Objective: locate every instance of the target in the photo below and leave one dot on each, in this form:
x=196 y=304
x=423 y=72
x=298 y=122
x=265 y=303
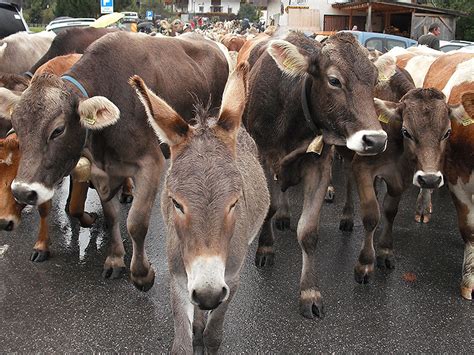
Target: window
x=229 y=10
x=201 y=8
x=374 y=43
x=391 y=43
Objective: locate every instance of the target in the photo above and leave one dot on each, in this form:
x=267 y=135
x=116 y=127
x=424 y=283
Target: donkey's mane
x=203 y=118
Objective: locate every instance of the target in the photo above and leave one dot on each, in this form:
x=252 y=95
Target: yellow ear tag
x=466 y=121
x=383 y=118
x=10 y=111
x=316 y=146
x=288 y=64
x=90 y=120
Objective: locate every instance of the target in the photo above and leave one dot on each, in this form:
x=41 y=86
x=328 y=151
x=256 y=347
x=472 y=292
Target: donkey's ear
x=8 y=100
x=387 y=110
x=233 y=100
x=98 y=112
x=288 y=57
x=168 y=125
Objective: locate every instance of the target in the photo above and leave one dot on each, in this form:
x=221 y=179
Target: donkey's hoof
x=346 y=225
x=363 y=273
x=126 y=198
x=39 y=256
x=467 y=292
x=264 y=258
x=282 y=223
x=113 y=273
x=330 y=194
x=144 y=283
x=311 y=304
x=386 y=261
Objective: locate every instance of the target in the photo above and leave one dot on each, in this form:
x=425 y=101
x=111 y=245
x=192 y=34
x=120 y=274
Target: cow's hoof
x=467 y=293
x=126 y=198
x=346 y=225
x=311 y=304
x=144 y=283
x=39 y=256
x=87 y=219
x=423 y=218
x=363 y=273
x=282 y=223
x=264 y=258
x=113 y=273
x=330 y=194
x=386 y=260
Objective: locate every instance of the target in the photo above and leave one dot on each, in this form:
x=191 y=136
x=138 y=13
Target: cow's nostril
x=10 y=226
x=194 y=297
x=368 y=140
x=31 y=196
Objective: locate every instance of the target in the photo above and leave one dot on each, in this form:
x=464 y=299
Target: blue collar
x=76 y=84
x=28 y=74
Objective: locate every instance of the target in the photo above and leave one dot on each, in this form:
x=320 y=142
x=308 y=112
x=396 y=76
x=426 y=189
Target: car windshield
x=10 y=21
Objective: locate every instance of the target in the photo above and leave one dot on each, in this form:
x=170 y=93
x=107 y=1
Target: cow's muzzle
x=7 y=224
x=428 y=180
x=368 y=142
x=31 y=194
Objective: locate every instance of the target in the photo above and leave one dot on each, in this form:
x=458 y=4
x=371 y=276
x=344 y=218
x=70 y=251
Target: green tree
x=77 y=8
x=464 y=25
x=249 y=11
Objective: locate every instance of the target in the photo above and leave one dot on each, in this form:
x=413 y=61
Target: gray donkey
x=214 y=202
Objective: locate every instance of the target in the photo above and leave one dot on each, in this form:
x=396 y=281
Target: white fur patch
x=2 y=49
x=464 y=73
x=423 y=173
x=465 y=194
x=207 y=272
x=287 y=57
x=418 y=67
x=8 y=160
x=356 y=143
x=44 y=193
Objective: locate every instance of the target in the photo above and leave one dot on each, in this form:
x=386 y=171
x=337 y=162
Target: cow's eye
x=178 y=206
x=333 y=81
x=406 y=134
x=57 y=132
x=446 y=135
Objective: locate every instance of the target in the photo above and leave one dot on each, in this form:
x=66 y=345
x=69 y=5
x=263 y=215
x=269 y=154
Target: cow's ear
x=97 y=112
x=8 y=100
x=233 y=101
x=168 y=125
x=288 y=57
x=464 y=112
x=387 y=110
x=386 y=66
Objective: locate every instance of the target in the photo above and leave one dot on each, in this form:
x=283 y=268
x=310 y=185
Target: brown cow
x=233 y=42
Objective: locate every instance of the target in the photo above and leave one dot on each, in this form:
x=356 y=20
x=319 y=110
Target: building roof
x=390 y=6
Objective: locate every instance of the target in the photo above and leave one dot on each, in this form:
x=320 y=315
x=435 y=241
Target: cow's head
x=339 y=81
x=51 y=122
x=10 y=210
x=425 y=125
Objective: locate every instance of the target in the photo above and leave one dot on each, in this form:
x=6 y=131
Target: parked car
x=381 y=41
x=62 y=23
x=447 y=46
x=130 y=16
x=11 y=18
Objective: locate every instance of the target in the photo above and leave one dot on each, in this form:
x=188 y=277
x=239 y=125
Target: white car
x=64 y=23
x=447 y=46
x=130 y=16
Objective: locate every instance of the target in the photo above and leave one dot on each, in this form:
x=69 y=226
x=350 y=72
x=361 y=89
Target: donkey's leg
x=215 y=322
x=41 y=248
x=385 y=256
x=424 y=207
x=282 y=215
x=347 y=220
x=147 y=181
x=183 y=312
x=265 y=255
x=370 y=218
x=127 y=191
x=316 y=175
x=114 y=265
x=465 y=210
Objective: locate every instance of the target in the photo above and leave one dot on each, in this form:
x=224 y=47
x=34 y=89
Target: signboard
x=106 y=6
x=149 y=15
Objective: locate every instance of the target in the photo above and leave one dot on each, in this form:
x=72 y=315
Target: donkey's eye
x=446 y=135
x=406 y=134
x=177 y=205
x=57 y=132
x=233 y=205
x=333 y=81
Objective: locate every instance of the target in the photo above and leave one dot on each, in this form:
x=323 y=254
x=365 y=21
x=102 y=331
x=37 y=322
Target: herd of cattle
x=238 y=134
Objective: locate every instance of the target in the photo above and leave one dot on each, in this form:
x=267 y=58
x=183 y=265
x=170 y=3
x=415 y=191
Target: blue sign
x=149 y=15
x=106 y=6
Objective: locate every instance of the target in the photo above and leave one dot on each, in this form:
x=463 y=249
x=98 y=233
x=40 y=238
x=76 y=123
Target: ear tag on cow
x=316 y=146
x=289 y=64
x=10 y=111
x=383 y=118
x=466 y=121
x=90 y=120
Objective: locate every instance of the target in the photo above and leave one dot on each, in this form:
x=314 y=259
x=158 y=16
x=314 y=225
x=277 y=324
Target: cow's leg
x=330 y=192
x=127 y=191
x=347 y=221
x=465 y=210
x=370 y=218
x=215 y=322
x=424 y=207
x=147 y=181
x=41 y=248
x=316 y=175
x=282 y=215
x=199 y=324
x=183 y=312
x=385 y=257
x=114 y=265
x=78 y=196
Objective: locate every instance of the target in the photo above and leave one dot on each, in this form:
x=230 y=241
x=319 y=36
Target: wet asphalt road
x=63 y=305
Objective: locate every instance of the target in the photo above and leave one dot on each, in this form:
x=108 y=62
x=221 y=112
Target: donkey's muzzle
x=207 y=299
